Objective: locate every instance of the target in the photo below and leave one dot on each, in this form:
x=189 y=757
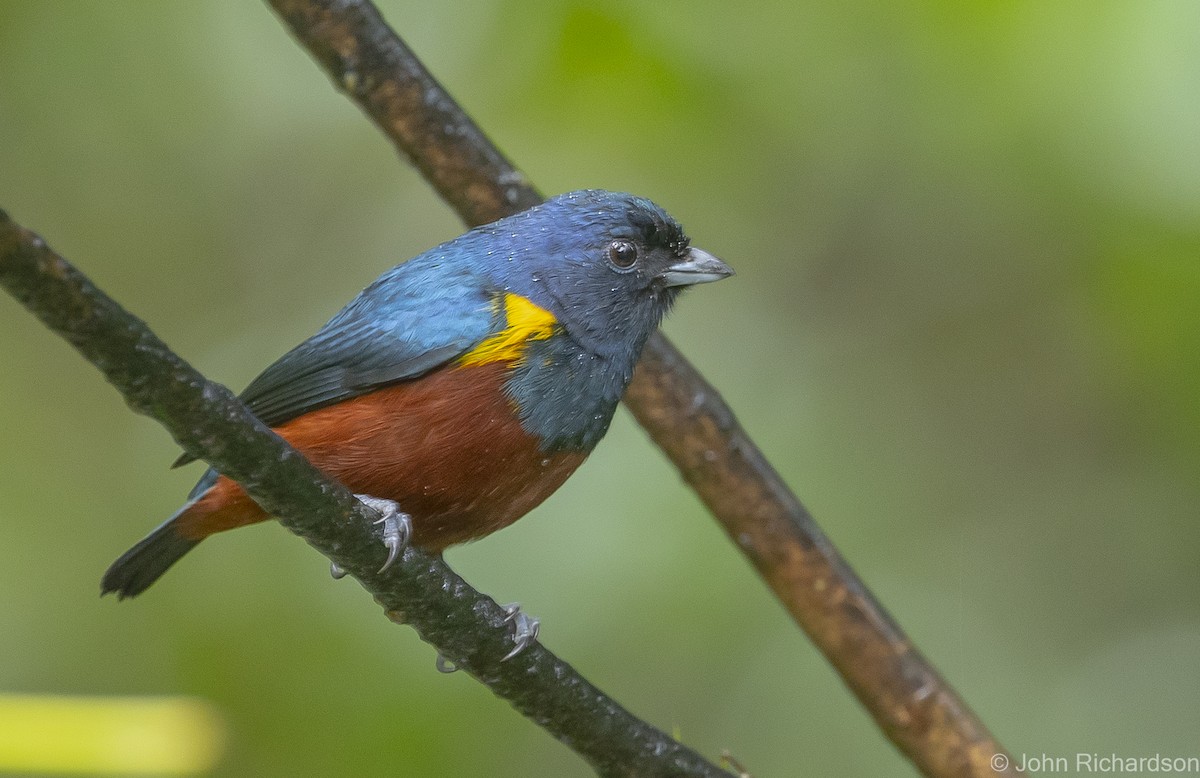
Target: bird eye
x=622 y=254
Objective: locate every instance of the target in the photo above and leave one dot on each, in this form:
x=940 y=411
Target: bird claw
x=396 y=526
x=525 y=629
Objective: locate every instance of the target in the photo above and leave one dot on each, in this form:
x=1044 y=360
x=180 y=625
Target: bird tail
x=153 y=555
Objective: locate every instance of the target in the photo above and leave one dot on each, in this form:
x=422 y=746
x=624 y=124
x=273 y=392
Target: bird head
x=607 y=265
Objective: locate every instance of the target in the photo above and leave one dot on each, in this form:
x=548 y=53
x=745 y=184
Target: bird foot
x=525 y=629
x=395 y=526
x=395 y=530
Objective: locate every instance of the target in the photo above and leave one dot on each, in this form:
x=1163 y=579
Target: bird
x=463 y=386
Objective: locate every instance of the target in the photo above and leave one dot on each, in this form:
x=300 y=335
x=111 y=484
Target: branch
x=683 y=414
x=210 y=423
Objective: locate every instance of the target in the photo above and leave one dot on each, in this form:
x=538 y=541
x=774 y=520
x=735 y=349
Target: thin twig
x=684 y=415
x=210 y=423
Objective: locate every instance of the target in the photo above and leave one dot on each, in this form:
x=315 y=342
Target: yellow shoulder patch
x=524 y=321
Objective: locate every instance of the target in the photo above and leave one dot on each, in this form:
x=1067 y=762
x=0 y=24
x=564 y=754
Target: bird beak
x=696 y=267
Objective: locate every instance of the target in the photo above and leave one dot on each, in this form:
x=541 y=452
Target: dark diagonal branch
x=210 y=423
x=684 y=415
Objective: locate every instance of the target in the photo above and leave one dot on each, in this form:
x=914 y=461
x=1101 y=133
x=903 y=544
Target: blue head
x=608 y=266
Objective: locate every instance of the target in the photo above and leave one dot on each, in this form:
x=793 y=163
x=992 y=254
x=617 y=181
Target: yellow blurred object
x=98 y=735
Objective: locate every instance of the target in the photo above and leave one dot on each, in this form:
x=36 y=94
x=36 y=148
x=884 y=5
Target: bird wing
x=401 y=327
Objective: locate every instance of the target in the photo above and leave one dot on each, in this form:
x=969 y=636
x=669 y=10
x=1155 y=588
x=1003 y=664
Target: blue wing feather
x=414 y=318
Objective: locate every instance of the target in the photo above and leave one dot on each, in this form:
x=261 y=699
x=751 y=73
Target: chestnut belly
x=448 y=448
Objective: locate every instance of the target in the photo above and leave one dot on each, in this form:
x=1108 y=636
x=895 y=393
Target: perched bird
x=466 y=384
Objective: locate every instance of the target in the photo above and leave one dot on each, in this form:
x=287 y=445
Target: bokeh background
x=965 y=327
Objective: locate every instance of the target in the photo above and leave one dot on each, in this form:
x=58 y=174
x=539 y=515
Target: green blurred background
x=965 y=327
